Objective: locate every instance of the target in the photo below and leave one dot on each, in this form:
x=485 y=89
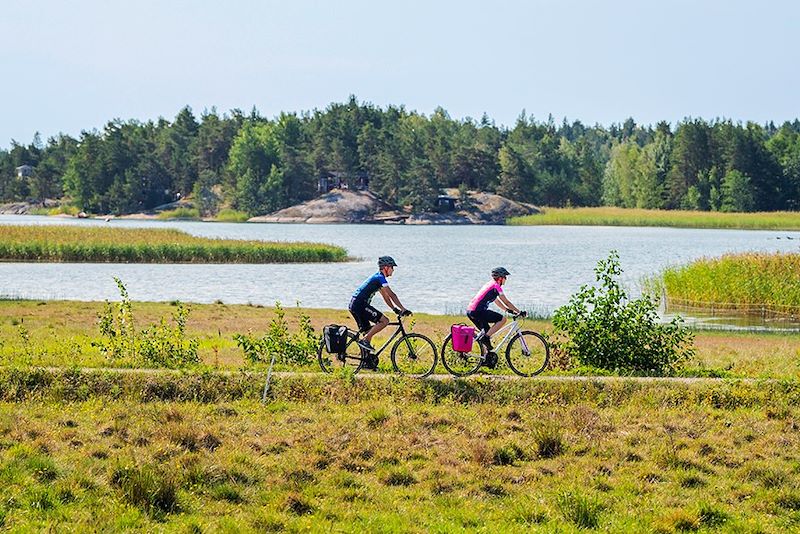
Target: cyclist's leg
x=494 y=317
x=374 y=316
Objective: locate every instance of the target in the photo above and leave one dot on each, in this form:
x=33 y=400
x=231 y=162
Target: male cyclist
x=365 y=314
x=479 y=313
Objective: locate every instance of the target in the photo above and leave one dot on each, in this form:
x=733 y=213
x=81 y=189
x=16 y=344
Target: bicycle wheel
x=414 y=355
x=460 y=363
x=527 y=353
x=351 y=357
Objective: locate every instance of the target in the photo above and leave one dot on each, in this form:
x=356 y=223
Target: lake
x=439 y=267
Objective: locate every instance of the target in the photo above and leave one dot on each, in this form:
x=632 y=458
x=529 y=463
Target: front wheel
x=527 y=353
x=351 y=358
x=460 y=363
x=414 y=355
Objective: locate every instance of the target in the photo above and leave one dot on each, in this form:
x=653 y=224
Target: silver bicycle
x=527 y=352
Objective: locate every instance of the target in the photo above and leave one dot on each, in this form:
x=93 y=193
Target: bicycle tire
x=528 y=353
x=352 y=357
x=460 y=363
x=425 y=356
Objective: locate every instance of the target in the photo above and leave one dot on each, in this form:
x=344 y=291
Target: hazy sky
x=73 y=65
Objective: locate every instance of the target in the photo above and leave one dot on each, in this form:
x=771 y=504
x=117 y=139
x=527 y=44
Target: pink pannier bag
x=462 y=337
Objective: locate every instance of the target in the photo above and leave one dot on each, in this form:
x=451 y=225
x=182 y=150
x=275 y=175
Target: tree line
x=259 y=165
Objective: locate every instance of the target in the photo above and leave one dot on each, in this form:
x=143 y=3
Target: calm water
x=440 y=267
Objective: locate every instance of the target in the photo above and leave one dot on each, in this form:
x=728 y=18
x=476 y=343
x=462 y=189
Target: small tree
x=602 y=328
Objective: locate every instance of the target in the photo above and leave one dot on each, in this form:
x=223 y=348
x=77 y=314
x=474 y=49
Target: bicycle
x=527 y=352
x=412 y=354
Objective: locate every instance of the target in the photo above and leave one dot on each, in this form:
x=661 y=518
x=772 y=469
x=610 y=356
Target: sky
x=74 y=65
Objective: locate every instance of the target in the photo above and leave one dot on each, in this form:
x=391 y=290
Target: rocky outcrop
x=345 y=206
x=25 y=208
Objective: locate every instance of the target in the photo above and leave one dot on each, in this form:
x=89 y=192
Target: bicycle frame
x=400 y=330
x=513 y=327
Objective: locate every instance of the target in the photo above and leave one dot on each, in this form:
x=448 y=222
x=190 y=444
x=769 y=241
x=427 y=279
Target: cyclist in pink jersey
x=479 y=313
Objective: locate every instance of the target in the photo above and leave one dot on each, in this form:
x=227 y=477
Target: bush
x=159 y=345
x=601 y=327
x=298 y=348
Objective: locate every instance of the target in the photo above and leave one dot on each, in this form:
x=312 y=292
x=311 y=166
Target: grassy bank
x=608 y=216
x=128 y=245
x=749 y=282
x=329 y=454
x=62 y=334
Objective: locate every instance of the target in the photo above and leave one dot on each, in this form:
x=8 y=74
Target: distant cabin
x=342 y=180
x=445 y=203
x=24 y=171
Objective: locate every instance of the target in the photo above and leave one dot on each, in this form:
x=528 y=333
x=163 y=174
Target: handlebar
x=402 y=313
x=521 y=314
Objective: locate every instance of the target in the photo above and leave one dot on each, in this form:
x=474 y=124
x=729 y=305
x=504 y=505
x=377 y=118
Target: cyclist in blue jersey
x=489 y=321
x=363 y=312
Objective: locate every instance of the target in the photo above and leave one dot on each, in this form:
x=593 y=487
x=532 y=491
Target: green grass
x=749 y=282
x=180 y=213
x=128 y=245
x=609 y=216
x=231 y=215
x=313 y=459
x=65 y=333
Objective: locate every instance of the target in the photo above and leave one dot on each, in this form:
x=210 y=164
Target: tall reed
x=62 y=243
x=610 y=216
x=750 y=282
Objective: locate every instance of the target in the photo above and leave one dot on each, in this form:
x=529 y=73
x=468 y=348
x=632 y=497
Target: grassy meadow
x=610 y=216
x=128 y=245
x=334 y=455
x=195 y=450
x=58 y=333
x=749 y=282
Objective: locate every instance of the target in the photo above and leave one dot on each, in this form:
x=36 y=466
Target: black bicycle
x=412 y=354
x=527 y=352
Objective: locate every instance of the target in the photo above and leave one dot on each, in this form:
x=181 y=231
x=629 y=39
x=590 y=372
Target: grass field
x=749 y=282
x=127 y=245
x=609 y=216
x=331 y=455
x=56 y=333
x=195 y=451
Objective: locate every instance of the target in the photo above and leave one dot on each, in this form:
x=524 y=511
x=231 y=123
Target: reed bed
x=127 y=245
x=609 y=216
x=757 y=283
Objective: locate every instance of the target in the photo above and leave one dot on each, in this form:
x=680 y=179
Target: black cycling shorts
x=364 y=314
x=483 y=318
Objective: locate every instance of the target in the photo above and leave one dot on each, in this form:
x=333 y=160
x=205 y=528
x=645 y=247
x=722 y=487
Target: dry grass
x=418 y=467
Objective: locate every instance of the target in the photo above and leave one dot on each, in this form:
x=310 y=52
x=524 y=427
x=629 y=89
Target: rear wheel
x=527 y=353
x=460 y=363
x=414 y=355
x=351 y=358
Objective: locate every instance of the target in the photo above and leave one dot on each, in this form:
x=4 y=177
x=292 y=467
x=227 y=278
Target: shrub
x=298 y=348
x=159 y=345
x=601 y=327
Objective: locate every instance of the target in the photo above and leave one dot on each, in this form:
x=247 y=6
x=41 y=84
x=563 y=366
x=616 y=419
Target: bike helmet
x=386 y=261
x=498 y=272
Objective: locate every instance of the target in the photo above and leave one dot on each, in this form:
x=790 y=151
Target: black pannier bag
x=335 y=338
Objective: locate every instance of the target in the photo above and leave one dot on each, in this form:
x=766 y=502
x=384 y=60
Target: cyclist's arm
x=391 y=299
x=504 y=303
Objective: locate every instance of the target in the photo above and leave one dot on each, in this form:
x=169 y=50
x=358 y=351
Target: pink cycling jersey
x=485 y=296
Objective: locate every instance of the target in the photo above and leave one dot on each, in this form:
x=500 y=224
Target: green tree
x=737 y=192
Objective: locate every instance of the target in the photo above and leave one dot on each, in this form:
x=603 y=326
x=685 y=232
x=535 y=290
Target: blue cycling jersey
x=369 y=287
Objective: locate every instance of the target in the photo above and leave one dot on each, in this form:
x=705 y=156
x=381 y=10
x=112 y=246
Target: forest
x=258 y=165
